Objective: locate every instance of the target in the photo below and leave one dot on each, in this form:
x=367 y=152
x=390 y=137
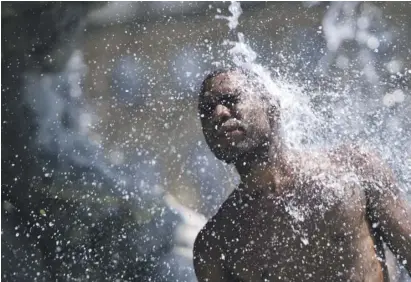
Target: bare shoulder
x=214 y=230
x=368 y=164
x=210 y=243
x=348 y=157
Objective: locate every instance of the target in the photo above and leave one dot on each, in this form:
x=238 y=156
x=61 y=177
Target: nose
x=222 y=113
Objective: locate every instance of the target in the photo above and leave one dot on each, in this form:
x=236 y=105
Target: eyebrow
x=211 y=94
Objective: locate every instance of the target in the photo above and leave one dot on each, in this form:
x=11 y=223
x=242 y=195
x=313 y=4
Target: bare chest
x=296 y=234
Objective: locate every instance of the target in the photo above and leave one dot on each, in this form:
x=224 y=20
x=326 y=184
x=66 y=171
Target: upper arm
x=205 y=260
x=207 y=256
x=389 y=210
x=209 y=246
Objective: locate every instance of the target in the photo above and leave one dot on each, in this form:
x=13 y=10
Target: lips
x=231 y=128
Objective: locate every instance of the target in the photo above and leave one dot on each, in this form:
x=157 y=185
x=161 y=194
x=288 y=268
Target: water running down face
x=236 y=116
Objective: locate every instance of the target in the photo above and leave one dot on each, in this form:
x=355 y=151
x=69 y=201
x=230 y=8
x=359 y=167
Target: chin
x=231 y=154
x=227 y=158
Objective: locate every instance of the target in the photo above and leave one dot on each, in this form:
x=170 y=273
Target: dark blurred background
x=105 y=173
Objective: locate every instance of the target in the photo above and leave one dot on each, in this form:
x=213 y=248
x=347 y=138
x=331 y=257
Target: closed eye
x=228 y=100
x=207 y=107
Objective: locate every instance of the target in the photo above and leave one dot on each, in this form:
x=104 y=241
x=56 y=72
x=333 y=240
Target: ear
x=274 y=110
x=274 y=115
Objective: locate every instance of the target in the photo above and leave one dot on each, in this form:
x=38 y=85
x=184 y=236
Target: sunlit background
x=106 y=174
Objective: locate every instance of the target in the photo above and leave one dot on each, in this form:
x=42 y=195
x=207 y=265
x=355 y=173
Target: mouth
x=231 y=129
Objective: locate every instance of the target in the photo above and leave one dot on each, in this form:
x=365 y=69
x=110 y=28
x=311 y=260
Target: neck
x=262 y=166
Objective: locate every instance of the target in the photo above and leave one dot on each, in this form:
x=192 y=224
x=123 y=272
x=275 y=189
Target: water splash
x=370 y=106
x=361 y=105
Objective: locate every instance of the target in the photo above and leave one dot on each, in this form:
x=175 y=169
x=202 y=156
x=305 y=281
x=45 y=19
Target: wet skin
x=311 y=216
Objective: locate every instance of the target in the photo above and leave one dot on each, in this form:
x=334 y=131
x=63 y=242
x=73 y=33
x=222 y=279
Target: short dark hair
x=221 y=71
